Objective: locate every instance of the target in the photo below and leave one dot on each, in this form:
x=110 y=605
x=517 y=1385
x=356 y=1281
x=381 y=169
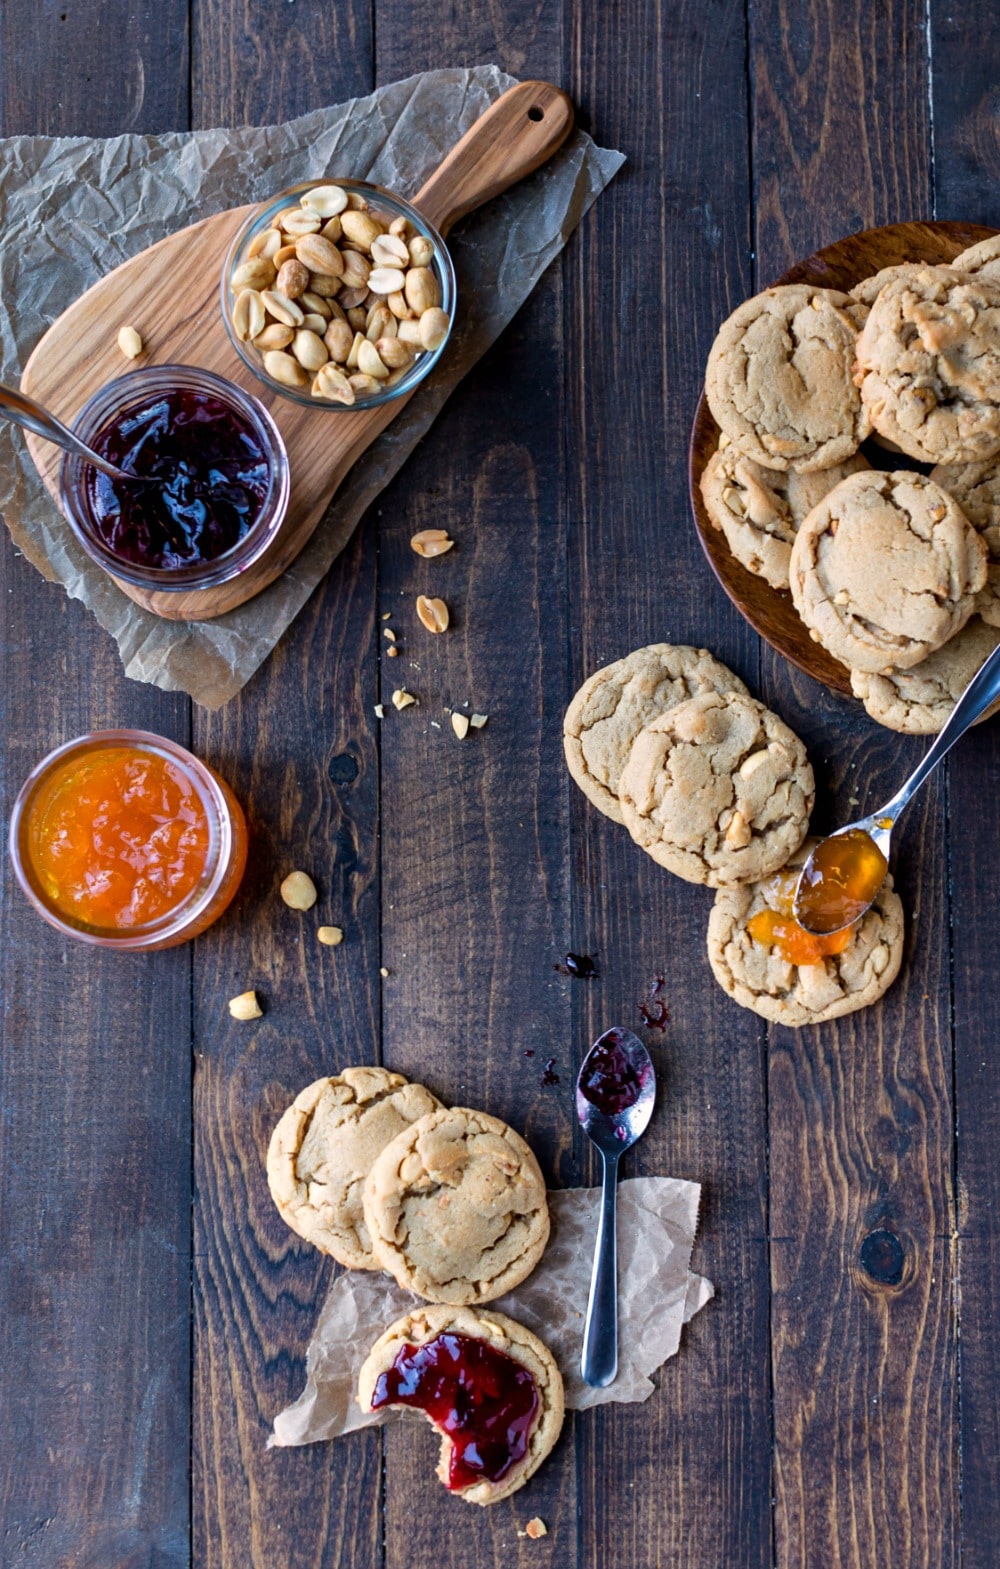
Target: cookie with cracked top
x=614 y=703
x=757 y=976
x=928 y=365
x=983 y=258
x=759 y=510
x=779 y=378
x=456 y=1208
x=718 y=790
x=885 y=570
x=920 y=701
x=499 y=1333
x=324 y=1147
x=976 y=488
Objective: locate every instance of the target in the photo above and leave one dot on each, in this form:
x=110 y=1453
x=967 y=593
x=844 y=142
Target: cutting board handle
x=516 y=134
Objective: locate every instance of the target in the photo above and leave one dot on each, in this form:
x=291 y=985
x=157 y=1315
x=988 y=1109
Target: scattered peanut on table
x=245 y=1006
x=130 y=342
x=299 y=891
x=338 y=298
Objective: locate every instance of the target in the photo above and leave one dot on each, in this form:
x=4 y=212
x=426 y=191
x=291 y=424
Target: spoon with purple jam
x=615 y=1091
x=32 y=416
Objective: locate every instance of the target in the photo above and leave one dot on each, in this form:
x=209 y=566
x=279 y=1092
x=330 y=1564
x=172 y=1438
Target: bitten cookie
x=614 y=703
x=718 y=790
x=976 y=488
x=919 y=701
x=885 y=570
x=779 y=378
x=456 y=1208
x=928 y=365
x=324 y=1147
x=518 y=1437
x=758 y=977
x=759 y=510
x=983 y=259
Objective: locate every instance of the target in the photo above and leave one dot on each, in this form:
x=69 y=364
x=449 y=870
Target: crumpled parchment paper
x=73 y=208
x=657 y=1295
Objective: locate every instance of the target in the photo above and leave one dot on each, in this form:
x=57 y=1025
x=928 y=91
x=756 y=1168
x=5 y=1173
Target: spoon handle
x=29 y=414
x=981 y=692
x=599 y=1362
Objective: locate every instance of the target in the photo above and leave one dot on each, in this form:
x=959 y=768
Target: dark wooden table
x=155 y=1309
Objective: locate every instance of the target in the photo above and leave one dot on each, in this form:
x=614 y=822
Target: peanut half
x=299 y=891
x=334 y=260
x=245 y=1006
x=433 y=613
x=431 y=542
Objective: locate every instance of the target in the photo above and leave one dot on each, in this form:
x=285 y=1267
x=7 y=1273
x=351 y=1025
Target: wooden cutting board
x=170 y=292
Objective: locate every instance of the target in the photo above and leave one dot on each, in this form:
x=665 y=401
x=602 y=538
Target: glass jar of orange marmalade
x=125 y=840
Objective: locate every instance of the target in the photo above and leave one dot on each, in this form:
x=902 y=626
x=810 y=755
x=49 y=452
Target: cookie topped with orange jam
x=767 y=962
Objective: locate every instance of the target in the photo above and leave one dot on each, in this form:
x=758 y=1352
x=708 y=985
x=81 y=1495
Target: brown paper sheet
x=75 y=207
x=657 y=1295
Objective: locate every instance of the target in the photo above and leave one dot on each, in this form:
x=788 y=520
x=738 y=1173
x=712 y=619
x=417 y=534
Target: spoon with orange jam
x=842 y=877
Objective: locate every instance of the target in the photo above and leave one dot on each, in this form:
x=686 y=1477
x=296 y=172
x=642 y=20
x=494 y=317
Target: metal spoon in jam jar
x=615 y=1090
x=32 y=416
x=842 y=877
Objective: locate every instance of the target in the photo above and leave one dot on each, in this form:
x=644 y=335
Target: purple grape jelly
x=213 y=477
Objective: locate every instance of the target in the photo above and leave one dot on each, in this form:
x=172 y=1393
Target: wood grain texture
x=684 y=1480
x=859 y=1112
x=95 y=1092
x=300 y=748
x=840 y=265
x=476 y=904
x=966 y=163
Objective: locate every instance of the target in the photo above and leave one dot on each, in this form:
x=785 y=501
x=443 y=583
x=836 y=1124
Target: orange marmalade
x=847 y=872
x=128 y=840
x=775 y=927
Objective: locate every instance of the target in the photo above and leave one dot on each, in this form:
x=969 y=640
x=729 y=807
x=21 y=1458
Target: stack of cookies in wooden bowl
x=718 y=790
x=896 y=574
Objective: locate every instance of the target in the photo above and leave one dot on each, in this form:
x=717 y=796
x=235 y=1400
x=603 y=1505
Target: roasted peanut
x=245 y=1006
x=299 y=891
x=332 y=384
x=309 y=349
x=293 y=279
x=433 y=613
x=130 y=342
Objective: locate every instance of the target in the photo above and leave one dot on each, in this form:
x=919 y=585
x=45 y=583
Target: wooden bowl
x=839 y=266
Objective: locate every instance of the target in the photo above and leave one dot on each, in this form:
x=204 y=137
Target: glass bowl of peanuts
x=338 y=294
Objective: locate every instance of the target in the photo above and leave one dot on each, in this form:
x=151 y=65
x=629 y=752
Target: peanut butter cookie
x=456 y=1208
x=919 y=701
x=759 y=510
x=324 y=1147
x=520 y=1407
x=868 y=290
x=779 y=378
x=983 y=258
x=885 y=570
x=614 y=703
x=717 y=790
x=928 y=365
x=976 y=488
x=757 y=976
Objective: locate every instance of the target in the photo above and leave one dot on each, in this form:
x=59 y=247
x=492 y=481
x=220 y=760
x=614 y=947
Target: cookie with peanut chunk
x=760 y=510
x=718 y=790
x=324 y=1147
x=928 y=365
x=456 y=1208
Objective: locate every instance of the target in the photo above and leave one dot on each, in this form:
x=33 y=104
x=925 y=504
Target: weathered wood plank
x=474 y=864
x=685 y=1479
x=299 y=747
x=94 y=1077
x=865 y=1376
x=966 y=59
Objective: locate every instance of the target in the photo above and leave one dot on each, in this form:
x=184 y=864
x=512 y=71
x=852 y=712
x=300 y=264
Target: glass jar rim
x=421 y=367
x=217 y=858
x=117 y=397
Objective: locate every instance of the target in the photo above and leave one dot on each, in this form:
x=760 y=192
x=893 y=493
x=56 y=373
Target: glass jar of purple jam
x=217 y=473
